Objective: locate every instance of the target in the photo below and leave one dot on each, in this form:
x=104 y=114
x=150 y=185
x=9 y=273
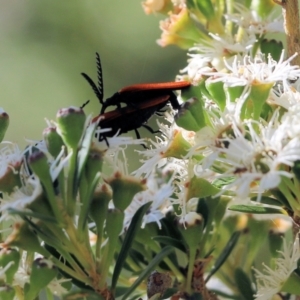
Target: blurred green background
x=45 y=45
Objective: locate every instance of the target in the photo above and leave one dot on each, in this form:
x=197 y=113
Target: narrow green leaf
x=253 y=209
x=171 y=242
x=280 y=197
x=243 y=284
x=24 y=213
x=268 y=200
x=130 y=234
x=156 y=260
x=224 y=254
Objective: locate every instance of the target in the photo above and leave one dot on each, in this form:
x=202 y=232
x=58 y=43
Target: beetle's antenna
x=94 y=87
x=99 y=75
x=98 y=90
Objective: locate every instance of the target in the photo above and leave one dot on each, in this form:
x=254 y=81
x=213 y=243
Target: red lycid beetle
x=141 y=102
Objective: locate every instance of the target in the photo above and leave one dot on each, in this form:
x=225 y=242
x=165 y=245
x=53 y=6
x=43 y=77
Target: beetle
x=140 y=102
x=117 y=120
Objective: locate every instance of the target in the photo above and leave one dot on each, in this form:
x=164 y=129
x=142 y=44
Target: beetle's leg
x=161 y=112
x=138 y=137
x=150 y=129
x=137 y=134
x=102 y=137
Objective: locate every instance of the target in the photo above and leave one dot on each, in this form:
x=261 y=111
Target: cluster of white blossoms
x=246 y=146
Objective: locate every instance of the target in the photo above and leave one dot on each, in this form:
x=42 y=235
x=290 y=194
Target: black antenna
x=99 y=75
x=97 y=90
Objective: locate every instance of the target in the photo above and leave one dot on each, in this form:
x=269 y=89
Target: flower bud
x=114 y=223
x=191 y=226
x=8 y=255
x=38 y=163
x=200 y=188
x=71 y=123
x=124 y=189
x=93 y=164
x=99 y=207
x=179 y=147
x=4 y=121
x=263 y=7
x=42 y=273
x=53 y=141
x=157 y=6
x=22 y=237
x=233 y=92
x=216 y=90
x=191 y=116
x=179 y=29
x=253 y=106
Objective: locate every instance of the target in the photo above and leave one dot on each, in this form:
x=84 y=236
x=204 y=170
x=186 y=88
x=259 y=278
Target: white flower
x=10 y=157
x=253 y=23
x=21 y=198
x=156 y=154
x=271 y=281
x=257 y=70
x=197 y=67
x=288 y=99
x=211 y=53
x=56 y=286
x=255 y=158
x=160 y=197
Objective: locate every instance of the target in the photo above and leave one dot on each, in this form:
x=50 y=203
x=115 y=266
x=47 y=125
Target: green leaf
x=281 y=198
x=171 y=242
x=156 y=260
x=221 y=182
x=224 y=254
x=253 y=209
x=24 y=213
x=244 y=284
x=131 y=232
x=267 y=200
